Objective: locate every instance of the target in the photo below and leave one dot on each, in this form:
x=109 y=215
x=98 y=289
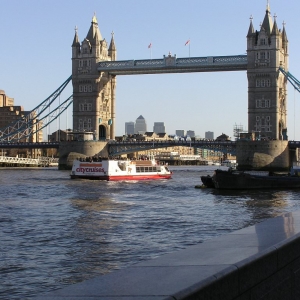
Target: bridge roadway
x=172 y=64
x=118 y=148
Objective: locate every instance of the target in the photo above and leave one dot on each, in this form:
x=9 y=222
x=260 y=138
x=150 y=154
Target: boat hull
x=241 y=180
x=207 y=181
x=123 y=177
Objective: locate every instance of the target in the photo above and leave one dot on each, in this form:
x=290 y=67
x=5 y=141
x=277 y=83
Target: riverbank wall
x=257 y=262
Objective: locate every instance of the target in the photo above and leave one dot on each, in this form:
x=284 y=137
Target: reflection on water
x=56 y=231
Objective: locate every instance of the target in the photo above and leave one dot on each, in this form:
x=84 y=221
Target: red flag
x=187 y=42
x=150 y=45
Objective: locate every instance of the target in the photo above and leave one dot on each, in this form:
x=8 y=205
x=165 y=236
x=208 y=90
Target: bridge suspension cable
x=292 y=79
x=33 y=126
x=31 y=122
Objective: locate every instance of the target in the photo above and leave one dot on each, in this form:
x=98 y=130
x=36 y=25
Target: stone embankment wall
x=263 y=155
x=257 y=262
x=68 y=151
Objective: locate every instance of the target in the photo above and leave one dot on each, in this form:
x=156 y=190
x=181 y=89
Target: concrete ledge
x=258 y=262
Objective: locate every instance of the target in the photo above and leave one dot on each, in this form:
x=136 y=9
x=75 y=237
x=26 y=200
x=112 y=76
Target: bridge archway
x=102 y=132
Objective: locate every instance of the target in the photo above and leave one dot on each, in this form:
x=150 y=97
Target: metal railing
x=41 y=161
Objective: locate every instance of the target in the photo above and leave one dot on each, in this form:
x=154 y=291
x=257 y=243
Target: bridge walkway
x=42 y=161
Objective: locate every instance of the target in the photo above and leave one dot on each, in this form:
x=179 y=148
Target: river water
x=55 y=231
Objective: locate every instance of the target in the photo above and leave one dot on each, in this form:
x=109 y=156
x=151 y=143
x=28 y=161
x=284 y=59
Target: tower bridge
x=95 y=69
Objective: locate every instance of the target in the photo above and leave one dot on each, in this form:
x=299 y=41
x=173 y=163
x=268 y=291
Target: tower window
x=85 y=106
x=262 y=41
x=263 y=103
x=263 y=82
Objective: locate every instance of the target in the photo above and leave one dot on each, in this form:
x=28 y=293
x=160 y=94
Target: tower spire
x=112 y=50
x=94 y=29
x=251 y=28
x=268 y=6
x=76 y=39
x=267 y=24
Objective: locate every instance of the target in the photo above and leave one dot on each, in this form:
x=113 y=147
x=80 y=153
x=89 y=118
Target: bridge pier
x=264 y=155
x=70 y=150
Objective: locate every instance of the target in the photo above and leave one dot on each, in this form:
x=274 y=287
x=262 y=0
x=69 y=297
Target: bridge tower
x=267 y=50
x=93 y=92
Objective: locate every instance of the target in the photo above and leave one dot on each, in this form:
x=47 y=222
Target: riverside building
x=9 y=114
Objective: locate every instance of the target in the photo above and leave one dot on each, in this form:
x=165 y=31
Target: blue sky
x=35 y=53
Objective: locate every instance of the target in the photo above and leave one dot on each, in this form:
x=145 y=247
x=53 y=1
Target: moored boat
x=233 y=179
x=114 y=170
x=207 y=181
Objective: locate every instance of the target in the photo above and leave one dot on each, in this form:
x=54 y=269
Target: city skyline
x=158 y=127
x=38 y=60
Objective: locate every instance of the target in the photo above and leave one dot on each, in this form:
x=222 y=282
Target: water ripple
x=56 y=231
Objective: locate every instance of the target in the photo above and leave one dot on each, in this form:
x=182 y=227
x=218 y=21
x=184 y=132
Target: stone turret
x=267 y=99
x=112 y=51
x=93 y=92
x=267 y=86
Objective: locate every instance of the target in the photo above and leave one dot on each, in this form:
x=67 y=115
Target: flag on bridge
x=187 y=42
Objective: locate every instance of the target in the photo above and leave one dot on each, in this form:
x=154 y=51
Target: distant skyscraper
x=180 y=132
x=140 y=125
x=159 y=127
x=129 y=128
x=190 y=133
x=209 y=135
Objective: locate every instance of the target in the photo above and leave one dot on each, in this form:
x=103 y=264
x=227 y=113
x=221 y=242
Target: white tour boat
x=120 y=170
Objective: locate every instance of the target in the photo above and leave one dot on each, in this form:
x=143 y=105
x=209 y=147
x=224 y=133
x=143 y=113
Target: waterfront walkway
x=258 y=262
x=35 y=162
